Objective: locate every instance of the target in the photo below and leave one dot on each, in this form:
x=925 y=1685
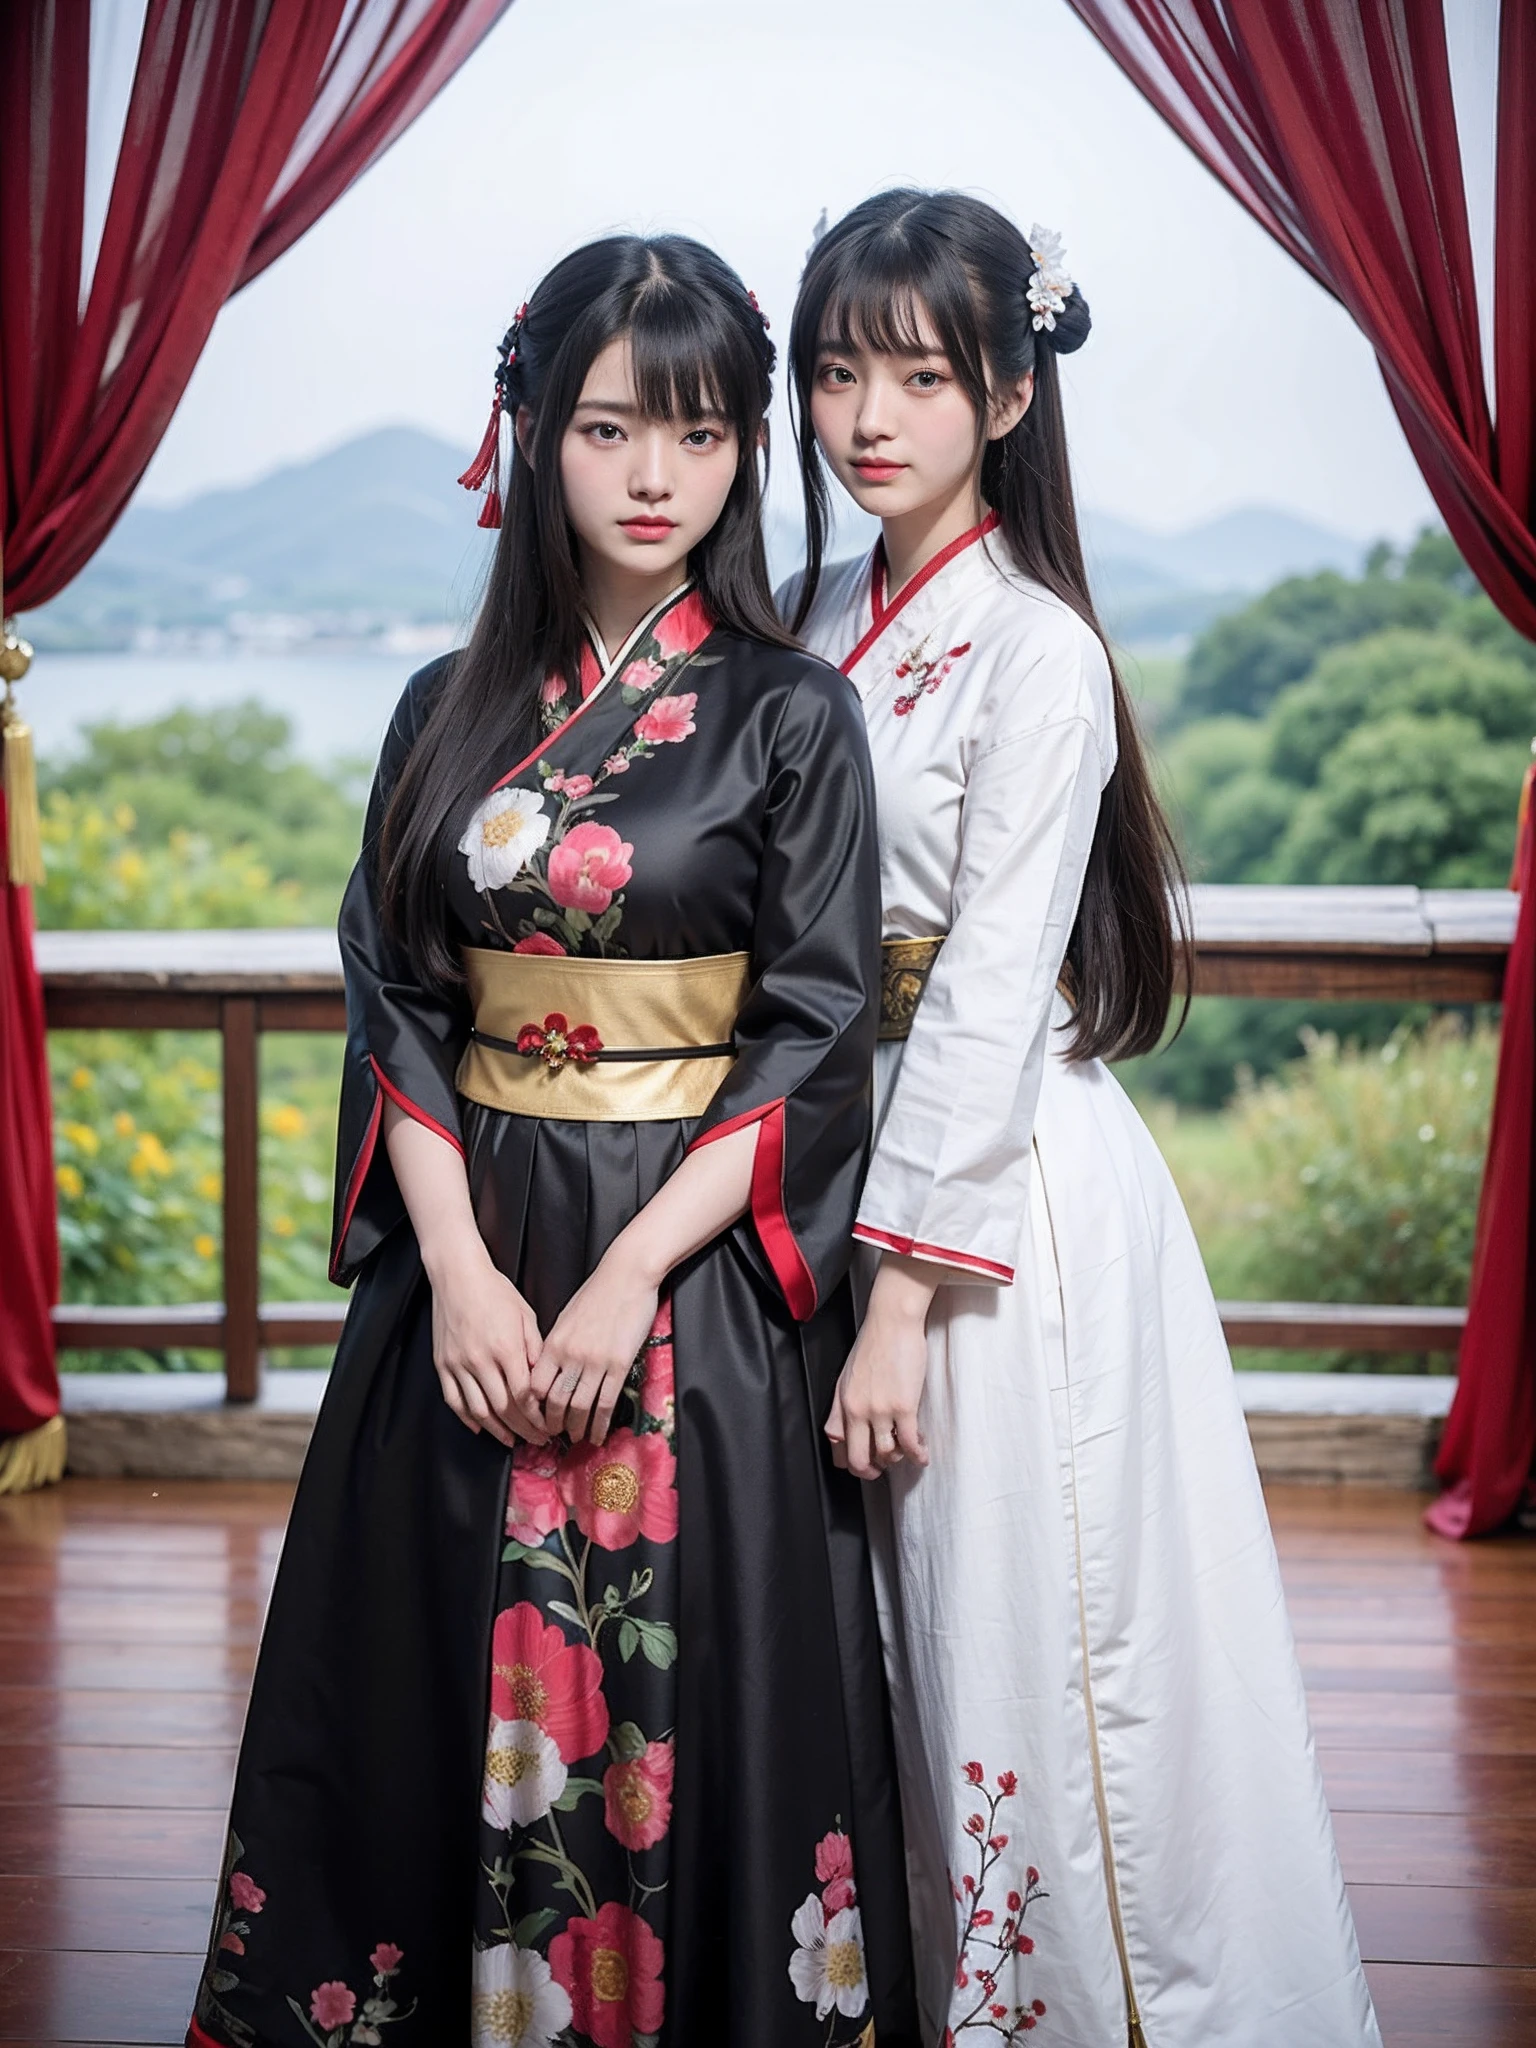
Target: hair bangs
x=690 y=363
x=897 y=292
x=865 y=310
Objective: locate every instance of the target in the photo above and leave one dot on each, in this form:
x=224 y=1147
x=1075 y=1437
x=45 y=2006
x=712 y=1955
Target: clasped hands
x=500 y=1375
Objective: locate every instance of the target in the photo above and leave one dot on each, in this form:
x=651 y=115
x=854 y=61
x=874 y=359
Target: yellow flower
x=149 y=1156
x=68 y=1181
x=125 y=817
x=288 y=1122
x=210 y=1186
x=284 y=1226
x=123 y=1124
x=204 y=1245
x=129 y=867
x=82 y=1077
x=82 y=1137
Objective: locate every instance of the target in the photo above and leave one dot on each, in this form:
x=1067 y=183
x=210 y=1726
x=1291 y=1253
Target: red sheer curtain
x=246 y=119
x=1334 y=122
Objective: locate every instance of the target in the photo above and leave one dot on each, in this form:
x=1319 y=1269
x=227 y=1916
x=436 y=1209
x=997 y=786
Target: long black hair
x=870 y=280
x=698 y=345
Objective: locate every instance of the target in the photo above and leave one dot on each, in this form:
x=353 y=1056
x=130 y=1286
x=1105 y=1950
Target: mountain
x=377 y=528
x=377 y=534
x=1155 y=588
x=1244 y=550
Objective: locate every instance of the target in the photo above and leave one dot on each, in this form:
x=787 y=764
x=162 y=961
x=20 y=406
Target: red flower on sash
x=536 y=1675
x=587 y=867
x=622 y=1489
x=539 y=942
x=610 y=1969
x=637 y=1796
x=555 y=1041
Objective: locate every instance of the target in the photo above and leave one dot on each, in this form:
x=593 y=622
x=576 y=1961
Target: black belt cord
x=665 y=1052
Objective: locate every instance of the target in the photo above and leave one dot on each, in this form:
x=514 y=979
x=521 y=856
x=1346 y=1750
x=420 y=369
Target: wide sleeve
x=805 y=1037
x=404 y=1040
x=950 y=1172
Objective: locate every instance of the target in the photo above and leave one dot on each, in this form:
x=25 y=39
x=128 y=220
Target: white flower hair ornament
x=1050 y=282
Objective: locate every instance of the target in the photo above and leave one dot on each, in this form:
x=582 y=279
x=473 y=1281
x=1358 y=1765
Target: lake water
x=338 y=704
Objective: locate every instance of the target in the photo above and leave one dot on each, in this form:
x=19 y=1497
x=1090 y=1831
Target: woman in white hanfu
x=1116 y=1827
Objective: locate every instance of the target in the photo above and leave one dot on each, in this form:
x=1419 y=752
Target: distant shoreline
x=338 y=703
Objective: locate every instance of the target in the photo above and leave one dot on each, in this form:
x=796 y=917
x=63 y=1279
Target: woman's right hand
x=483 y=1337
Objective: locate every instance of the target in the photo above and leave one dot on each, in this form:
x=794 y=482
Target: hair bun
x=1073 y=325
x=1057 y=308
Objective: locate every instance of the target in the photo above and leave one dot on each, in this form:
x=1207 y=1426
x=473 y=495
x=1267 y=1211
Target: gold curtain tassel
x=24 y=822
x=35 y=1458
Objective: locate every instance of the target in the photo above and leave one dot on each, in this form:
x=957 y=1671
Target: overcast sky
x=1217 y=375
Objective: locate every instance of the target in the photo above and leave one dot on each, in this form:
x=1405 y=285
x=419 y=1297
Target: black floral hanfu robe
x=590 y=1745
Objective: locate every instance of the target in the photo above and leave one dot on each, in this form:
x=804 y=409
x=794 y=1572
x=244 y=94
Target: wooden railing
x=1390 y=945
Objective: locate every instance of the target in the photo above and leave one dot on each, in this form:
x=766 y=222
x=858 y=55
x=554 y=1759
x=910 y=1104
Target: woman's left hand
x=588 y=1355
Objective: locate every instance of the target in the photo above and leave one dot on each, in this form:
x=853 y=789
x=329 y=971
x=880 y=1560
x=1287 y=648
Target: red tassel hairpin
x=487 y=462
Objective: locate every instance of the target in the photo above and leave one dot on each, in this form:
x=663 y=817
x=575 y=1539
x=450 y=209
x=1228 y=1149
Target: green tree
x=1393 y=754
x=229 y=778
x=102 y=877
x=1359 y=1171
x=1423 y=674
x=1408 y=799
x=1231 y=810
x=1242 y=662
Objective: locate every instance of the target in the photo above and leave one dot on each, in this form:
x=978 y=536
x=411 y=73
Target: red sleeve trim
x=796 y=1281
x=355 y=1182
x=914 y=1248
x=784 y=1254
x=196 y=2038
x=734 y=1123
x=412 y=1110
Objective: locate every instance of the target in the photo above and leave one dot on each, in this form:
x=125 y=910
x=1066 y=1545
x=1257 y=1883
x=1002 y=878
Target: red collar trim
x=883 y=613
x=591 y=669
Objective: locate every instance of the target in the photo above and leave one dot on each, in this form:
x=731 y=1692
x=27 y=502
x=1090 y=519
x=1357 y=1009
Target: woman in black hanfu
x=569 y=1722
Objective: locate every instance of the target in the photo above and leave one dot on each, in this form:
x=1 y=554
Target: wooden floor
x=129 y=1614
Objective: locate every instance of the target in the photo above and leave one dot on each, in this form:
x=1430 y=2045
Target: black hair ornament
x=487 y=462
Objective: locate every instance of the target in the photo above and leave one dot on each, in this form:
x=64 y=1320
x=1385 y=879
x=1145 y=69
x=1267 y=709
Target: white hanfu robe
x=1116 y=1824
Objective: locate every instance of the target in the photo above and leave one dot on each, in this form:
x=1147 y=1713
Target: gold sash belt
x=628 y=1041
x=600 y=1041
x=905 y=965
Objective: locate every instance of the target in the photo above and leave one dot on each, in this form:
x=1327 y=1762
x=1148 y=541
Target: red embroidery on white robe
x=926 y=671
